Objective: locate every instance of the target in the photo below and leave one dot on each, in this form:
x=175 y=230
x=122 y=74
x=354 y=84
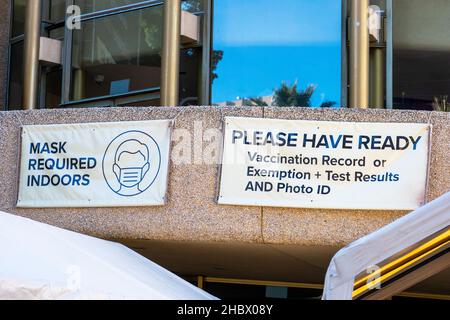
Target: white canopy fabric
x=38 y=261
x=383 y=244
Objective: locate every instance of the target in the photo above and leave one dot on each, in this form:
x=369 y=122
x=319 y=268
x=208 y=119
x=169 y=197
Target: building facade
x=72 y=61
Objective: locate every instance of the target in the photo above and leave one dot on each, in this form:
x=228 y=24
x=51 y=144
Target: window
x=117 y=54
x=89 y=6
x=193 y=6
x=18 y=21
x=277 y=52
x=421 y=54
x=16 y=77
x=15 y=84
x=53 y=80
x=107 y=63
x=191 y=61
x=113 y=59
x=57 y=10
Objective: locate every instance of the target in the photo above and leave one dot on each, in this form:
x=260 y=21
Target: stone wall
x=191 y=213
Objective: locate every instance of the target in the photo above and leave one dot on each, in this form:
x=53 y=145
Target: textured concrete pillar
x=31 y=54
x=171 y=53
x=359 y=54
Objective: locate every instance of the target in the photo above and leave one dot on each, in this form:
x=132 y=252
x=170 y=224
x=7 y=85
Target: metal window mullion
x=205 y=75
x=68 y=39
x=344 y=53
x=67 y=60
x=389 y=55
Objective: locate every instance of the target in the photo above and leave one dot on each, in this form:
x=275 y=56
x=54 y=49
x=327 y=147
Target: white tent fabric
x=38 y=261
x=383 y=244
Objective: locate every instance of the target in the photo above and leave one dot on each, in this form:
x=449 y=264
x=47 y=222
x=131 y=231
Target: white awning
x=38 y=261
x=383 y=244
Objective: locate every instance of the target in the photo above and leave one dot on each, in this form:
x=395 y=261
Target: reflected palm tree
x=284 y=96
x=328 y=104
x=291 y=96
x=254 y=102
x=192 y=5
x=217 y=56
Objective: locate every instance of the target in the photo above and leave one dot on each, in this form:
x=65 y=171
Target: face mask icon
x=129 y=177
x=131 y=165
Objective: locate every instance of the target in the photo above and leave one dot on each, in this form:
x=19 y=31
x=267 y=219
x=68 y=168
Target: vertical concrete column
x=171 y=53
x=359 y=54
x=31 y=54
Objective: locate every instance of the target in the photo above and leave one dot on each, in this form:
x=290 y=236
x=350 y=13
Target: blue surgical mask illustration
x=129 y=177
x=132 y=162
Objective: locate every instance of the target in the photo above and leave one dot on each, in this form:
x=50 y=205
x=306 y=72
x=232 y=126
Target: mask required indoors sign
x=94 y=165
x=330 y=165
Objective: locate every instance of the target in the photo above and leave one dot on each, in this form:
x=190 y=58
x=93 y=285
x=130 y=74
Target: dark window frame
x=108 y=100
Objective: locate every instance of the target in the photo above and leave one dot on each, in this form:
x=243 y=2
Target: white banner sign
x=95 y=165
x=331 y=165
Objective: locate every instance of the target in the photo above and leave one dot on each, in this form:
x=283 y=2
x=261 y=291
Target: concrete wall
x=4 y=47
x=191 y=213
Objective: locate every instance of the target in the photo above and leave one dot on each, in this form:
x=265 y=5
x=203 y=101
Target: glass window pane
x=377 y=65
x=89 y=6
x=18 y=24
x=283 y=53
x=57 y=33
x=16 y=77
x=57 y=10
x=53 y=87
x=190 y=63
x=193 y=6
x=117 y=54
x=421 y=42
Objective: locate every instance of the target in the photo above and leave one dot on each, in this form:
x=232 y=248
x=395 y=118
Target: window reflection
x=16 y=77
x=421 y=42
x=57 y=10
x=117 y=54
x=277 y=52
x=190 y=62
x=18 y=23
x=89 y=6
x=193 y=6
x=53 y=81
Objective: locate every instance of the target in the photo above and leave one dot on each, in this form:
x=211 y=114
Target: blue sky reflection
x=266 y=42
